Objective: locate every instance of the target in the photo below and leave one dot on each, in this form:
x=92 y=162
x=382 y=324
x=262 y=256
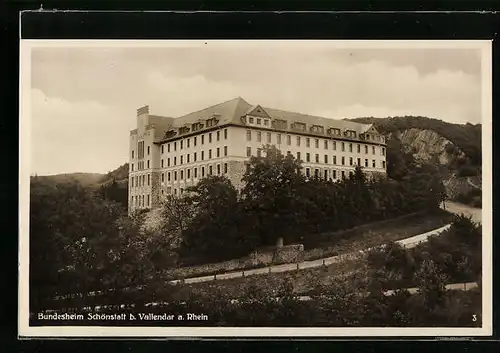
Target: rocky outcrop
x=427 y=145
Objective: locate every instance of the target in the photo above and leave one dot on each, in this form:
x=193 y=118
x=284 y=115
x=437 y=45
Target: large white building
x=169 y=154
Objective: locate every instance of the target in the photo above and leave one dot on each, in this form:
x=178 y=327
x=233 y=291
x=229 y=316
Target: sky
x=84 y=99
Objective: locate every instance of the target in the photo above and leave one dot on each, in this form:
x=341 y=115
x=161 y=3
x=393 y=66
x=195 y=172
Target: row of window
x=326 y=143
x=140 y=180
x=186 y=143
x=188 y=159
x=140 y=201
x=194 y=173
x=325 y=159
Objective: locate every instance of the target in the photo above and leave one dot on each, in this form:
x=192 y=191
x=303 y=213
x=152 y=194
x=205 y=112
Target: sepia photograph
x=255 y=188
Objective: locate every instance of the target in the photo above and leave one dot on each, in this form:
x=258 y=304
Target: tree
x=216 y=230
x=177 y=213
x=270 y=194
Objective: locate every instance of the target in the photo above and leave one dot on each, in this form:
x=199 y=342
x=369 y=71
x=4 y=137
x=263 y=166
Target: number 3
x=474 y=317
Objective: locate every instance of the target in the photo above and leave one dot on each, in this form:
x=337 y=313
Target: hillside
x=85 y=179
x=456 y=139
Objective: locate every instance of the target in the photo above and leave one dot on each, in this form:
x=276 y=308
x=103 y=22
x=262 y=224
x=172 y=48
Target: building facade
x=167 y=155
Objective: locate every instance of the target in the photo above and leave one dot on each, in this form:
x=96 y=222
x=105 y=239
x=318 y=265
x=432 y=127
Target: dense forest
x=466 y=137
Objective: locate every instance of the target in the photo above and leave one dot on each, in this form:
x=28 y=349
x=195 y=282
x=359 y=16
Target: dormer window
x=299 y=126
x=196 y=126
x=250 y=120
x=183 y=130
x=350 y=133
x=333 y=131
x=317 y=129
x=170 y=134
x=279 y=124
x=212 y=122
x=258 y=121
x=266 y=122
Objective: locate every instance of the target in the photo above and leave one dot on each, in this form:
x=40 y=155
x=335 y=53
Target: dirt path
x=458 y=208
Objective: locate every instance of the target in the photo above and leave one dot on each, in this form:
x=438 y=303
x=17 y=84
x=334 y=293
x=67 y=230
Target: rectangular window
x=326 y=144
x=366 y=163
x=308 y=142
x=148 y=200
x=202 y=139
x=350 y=147
x=343 y=160
x=132 y=182
x=268 y=137
x=132 y=166
x=308 y=157
x=188 y=140
x=316 y=173
x=182 y=144
x=218 y=152
x=209 y=154
x=168 y=148
x=343 y=174
x=182 y=174
x=225 y=168
x=343 y=147
x=350 y=161
x=298 y=141
x=196 y=172
x=326 y=158
x=373 y=149
x=194 y=141
x=249 y=151
x=202 y=172
x=334 y=161
x=162 y=177
x=259 y=136
x=258 y=152
x=218 y=169
x=249 y=135
x=373 y=163
x=326 y=174
x=168 y=176
x=383 y=164
x=133 y=153
x=259 y=121
x=316 y=143
x=194 y=157
x=182 y=160
x=359 y=161
x=202 y=155
x=334 y=145
x=148 y=150
x=366 y=149
x=210 y=170
x=278 y=139
x=308 y=172
x=266 y=122
x=209 y=137
x=162 y=149
x=317 y=158
x=189 y=173
x=187 y=158
x=218 y=135
x=148 y=163
x=250 y=120
x=175 y=176
x=175 y=146
x=382 y=151
x=298 y=156
x=225 y=151
x=289 y=140
x=359 y=148
x=225 y=134
x=168 y=162
x=161 y=163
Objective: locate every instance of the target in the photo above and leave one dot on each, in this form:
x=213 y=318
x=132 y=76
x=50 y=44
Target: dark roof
x=230 y=112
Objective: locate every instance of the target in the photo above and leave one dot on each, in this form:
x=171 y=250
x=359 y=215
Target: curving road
x=458 y=208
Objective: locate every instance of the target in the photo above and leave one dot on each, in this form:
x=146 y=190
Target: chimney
x=143 y=110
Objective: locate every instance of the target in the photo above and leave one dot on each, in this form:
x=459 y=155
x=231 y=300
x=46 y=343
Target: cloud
x=82 y=136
